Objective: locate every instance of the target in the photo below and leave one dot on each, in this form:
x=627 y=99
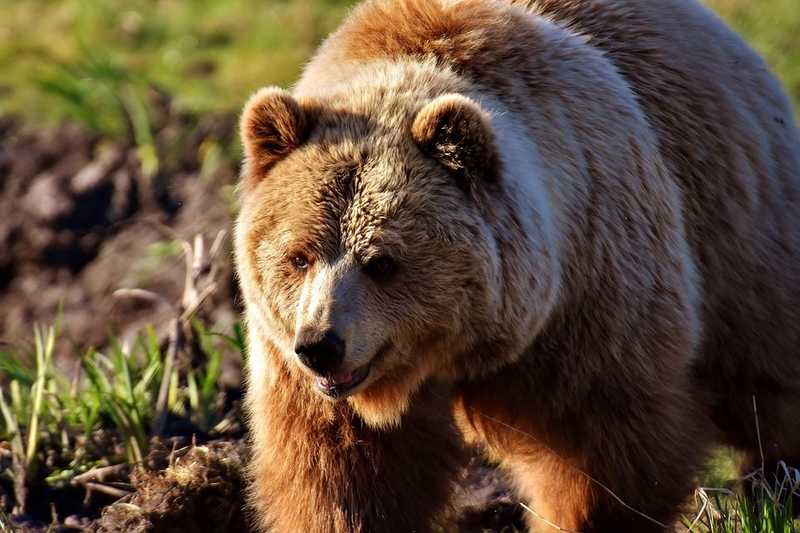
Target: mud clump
x=83 y=219
x=200 y=489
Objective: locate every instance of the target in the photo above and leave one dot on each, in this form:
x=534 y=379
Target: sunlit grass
x=45 y=413
x=84 y=58
x=95 y=60
x=765 y=506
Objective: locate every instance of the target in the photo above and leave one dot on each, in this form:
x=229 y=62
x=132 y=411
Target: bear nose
x=322 y=355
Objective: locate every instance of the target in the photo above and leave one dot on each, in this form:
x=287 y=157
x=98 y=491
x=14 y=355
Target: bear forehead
x=331 y=198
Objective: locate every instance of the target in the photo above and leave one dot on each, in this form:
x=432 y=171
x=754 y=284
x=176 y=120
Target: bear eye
x=300 y=262
x=381 y=269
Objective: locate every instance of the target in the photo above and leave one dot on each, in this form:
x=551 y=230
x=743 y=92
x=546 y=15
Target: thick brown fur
x=593 y=211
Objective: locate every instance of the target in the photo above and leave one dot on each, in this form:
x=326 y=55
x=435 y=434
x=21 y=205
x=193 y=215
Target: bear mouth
x=341 y=384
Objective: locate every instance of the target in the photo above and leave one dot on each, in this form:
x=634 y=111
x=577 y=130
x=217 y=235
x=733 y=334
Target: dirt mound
x=201 y=489
x=81 y=220
x=198 y=489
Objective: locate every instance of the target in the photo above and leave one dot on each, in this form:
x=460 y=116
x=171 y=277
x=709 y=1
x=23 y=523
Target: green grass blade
x=44 y=352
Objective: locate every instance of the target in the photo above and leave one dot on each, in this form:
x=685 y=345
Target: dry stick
x=758 y=435
x=586 y=475
x=189 y=290
x=704 y=497
x=216 y=246
x=793 y=475
x=198 y=263
x=141 y=294
x=106 y=489
x=546 y=521
x=175 y=339
x=99 y=474
x=197 y=302
x=20 y=473
x=53 y=515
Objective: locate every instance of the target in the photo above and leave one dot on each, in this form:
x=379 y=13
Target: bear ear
x=455 y=131
x=272 y=125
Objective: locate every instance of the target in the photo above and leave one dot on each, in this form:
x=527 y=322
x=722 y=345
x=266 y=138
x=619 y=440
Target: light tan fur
x=591 y=209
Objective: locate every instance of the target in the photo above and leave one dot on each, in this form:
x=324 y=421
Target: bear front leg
x=561 y=497
x=318 y=468
x=622 y=460
x=612 y=474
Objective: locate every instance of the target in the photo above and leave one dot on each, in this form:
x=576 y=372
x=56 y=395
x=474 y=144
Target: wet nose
x=322 y=354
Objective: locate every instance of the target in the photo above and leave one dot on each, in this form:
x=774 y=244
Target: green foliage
x=204 y=407
x=94 y=60
x=100 y=92
x=25 y=416
x=764 y=507
x=108 y=66
x=116 y=391
x=124 y=389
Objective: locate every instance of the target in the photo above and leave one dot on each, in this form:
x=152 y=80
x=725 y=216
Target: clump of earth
x=81 y=220
x=196 y=488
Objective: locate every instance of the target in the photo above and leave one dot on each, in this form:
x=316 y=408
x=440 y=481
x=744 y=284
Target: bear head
x=364 y=243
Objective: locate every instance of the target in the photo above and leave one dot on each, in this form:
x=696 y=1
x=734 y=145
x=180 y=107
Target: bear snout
x=321 y=352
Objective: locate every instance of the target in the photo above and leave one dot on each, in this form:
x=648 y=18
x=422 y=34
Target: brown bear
x=567 y=231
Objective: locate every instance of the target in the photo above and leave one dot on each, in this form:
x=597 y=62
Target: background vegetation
x=131 y=74
x=82 y=58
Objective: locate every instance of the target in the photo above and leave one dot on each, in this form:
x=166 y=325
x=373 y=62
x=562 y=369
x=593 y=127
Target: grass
x=57 y=429
x=106 y=415
x=769 y=509
x=73 y=58
x=100 y=63
x=46 y=414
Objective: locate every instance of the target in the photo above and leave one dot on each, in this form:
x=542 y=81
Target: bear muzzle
x=323 y=354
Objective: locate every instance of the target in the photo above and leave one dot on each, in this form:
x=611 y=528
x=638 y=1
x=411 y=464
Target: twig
x=189 y=290
x=175 y=339
x=758 y=435
x=546 y=521
x=99 y=474
x=216 y=246
x=111 y=490
x=699 y=493
x=141 y=294
x=792 y=474
x=197 y=302
x=198 y=285
x=53 y=515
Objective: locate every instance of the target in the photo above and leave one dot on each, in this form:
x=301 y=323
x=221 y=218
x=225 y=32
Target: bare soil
x=80 y=221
